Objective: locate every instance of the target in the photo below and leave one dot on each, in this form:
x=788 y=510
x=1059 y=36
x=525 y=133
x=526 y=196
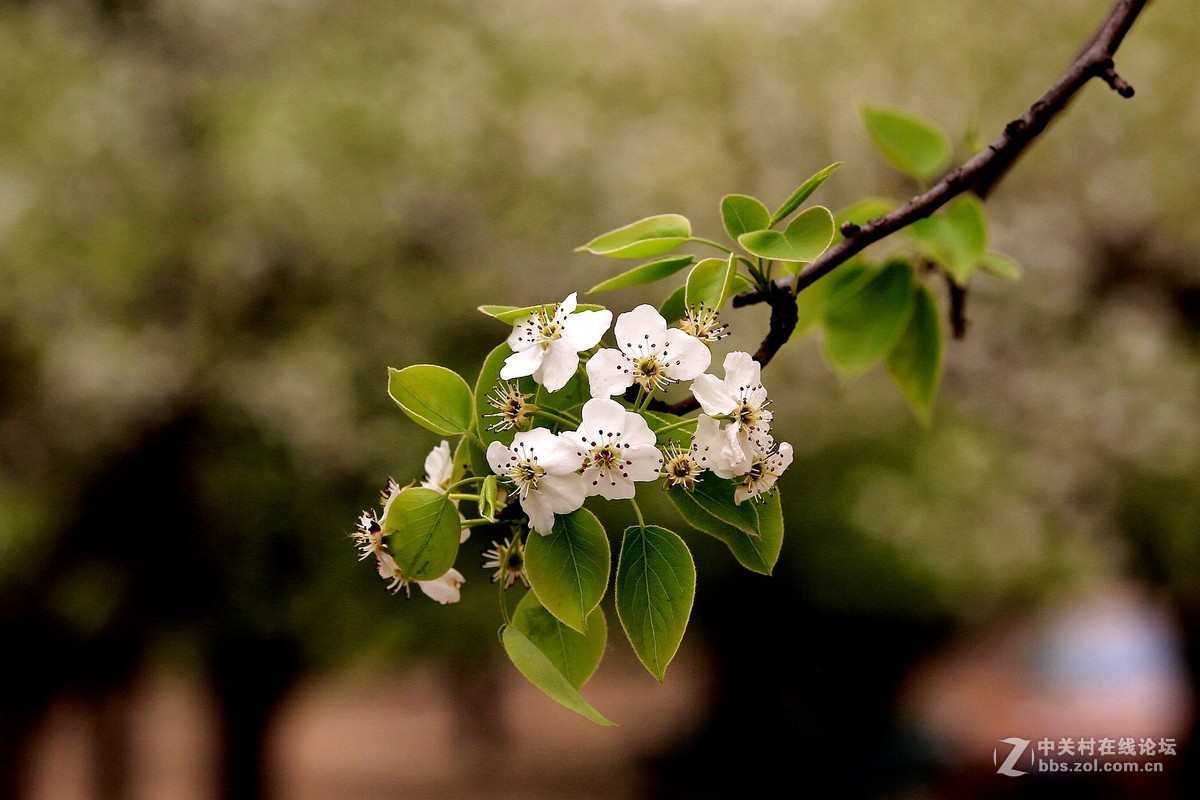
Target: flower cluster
x=560 y=453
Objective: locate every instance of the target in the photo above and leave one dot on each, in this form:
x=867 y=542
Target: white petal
x=537 y=508
x=558 y=366
x=708 y=444
x=608 y=373
x=645 y=462
x=740 y=494
x=584 y=330
x=686 y=356
x=741 y=370
x=554 y=453
x=733 y=451
x=712 y=395
x=522 y=363
x=636 y=328
x=499 y=457
x=602 y=416
x=563 y=493
x=466 y=534
x=637 y=432
x=785 y=458
x=444 y=589
x=439 y=465
x=567 y=306
x=524 y=333
x=613 y=487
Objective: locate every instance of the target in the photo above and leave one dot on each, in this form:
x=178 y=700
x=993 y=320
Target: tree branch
x=980 y=175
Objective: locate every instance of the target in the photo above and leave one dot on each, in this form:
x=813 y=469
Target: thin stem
x=710 y=243
x=461 y=496
x=465 y=481
x=674 y=426
x=503 y=604
x=475 y=523
x=558 y=417
x=637 y=510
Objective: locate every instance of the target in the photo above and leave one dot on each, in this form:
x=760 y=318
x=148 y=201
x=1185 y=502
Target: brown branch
x=978 y=175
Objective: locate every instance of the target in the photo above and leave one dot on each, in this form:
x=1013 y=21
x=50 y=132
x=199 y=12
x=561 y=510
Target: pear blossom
x=616 y=448
x=542 y=468
x=682 y=467
x=513 y=408
x=547 y=343
x=369 y=540
x=704 y=323
x=508 y=559
x=649 y=354
x=713 y=451
x=767 y=462
x=439 y=468
x=741 y=399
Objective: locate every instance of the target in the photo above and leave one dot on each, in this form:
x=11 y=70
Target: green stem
x=673 y=426
x=475 y=523
x=638 y=511
x=503 y=604
x=710 y=243
x=465 y=481
x=462 y=496
x=557 y=417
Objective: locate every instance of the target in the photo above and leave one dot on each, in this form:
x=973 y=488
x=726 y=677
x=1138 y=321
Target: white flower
x=439 y=467
x=682 y=466
x=649 y=355
x=542 y=467
x=444 y=589
x=767 y=462
x=742 y=400
x=712 y=450
x=546 y=344
x=616 y=448
x=508 y=560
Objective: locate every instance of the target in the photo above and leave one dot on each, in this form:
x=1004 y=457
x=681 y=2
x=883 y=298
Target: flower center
x=650 y=373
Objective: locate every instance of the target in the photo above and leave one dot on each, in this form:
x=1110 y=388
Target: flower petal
x=637 y=432
x=585 y=329
x=522 y=363
x=608 y=373
x=499 y=457
x=610 y=487
x=560 y=362
x=439 y=465
x=537 y=508
x=708 y=444
x=602 y=416
x=563 y=493
x=636 y=328
x=645 y=462
x=741 y=370
x=444 y=589
x=567 y=306
x=714 y=398
x=685 y=355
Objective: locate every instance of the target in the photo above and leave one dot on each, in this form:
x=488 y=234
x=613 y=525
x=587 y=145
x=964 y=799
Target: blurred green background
x=221 y=221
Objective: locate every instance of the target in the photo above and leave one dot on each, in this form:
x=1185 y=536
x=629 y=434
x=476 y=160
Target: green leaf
x=487 y=498
x=812 y=301
x=740 y=285
x=651 y=236
x=752 y=532
x=802 y=241
x=468 y=459
x=423 y=530
x=646 y=273
x=864 y=318
x=1001 y=266
x=913 y=145
x=862 y=212
x=434 y=397
x=573 y=654
x=675 y=306
x=955 y=238
x=742 y=214
x=568 y=568
x=569 y=399
x=915 y=362
x=657 y=421
x=655 y=587
x=545 y=675
x=802 y=193
x=709 y=282
x=510 y=315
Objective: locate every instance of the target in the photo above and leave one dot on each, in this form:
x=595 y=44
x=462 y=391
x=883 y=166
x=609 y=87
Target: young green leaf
x=803 y=240
x=647 y=237
x=742 y=214
x=545 y=675
x=509 y=315
x=573 y=654
x=915 y=362
x=1001 y=266
x=655 y=587
x=468 y=459
x=434 y=397
x=801 y=194
x=710 y=509
x=487 y=498
x=812 y=302
x=568 y=568
x=913 y=145
x=709 y=282
x=864 y=318
x=646 y=273
x=675 y=306
x=423 y=532
x=956 y=238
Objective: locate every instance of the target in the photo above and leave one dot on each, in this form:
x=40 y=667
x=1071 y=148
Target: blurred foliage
x=221 y=221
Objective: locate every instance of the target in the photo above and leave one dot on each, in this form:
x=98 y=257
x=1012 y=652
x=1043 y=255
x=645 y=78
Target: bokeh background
x=221 y=220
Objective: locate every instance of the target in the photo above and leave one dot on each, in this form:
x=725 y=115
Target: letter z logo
x=1018 y=749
